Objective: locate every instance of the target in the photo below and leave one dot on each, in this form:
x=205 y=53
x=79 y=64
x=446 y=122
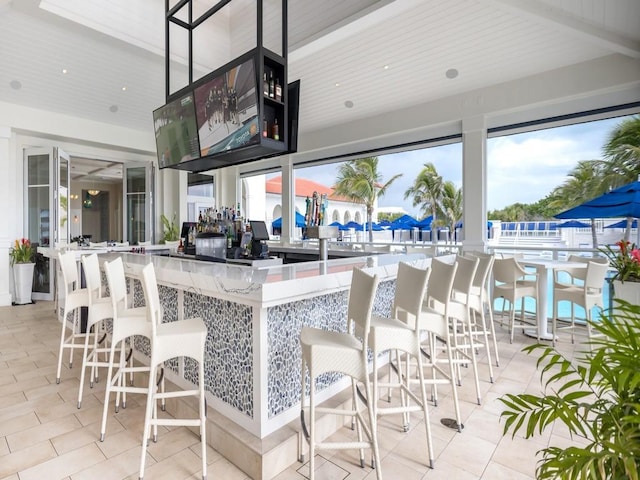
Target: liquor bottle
x=276 y=134
x=229 y=237
x=265 y=127
x=278 y=90
x=265 y=85
x=272 y=86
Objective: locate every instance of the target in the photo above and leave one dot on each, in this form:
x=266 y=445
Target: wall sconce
x=75 y=219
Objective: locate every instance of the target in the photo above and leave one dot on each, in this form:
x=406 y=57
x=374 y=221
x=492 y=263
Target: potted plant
x=597 y=397
x=170 y=235
x=21 y=255
x=625 y=261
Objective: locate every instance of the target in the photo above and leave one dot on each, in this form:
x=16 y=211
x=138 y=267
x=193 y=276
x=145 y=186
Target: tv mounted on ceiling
x=226 y=118
x=176 y=132
x=227 y=110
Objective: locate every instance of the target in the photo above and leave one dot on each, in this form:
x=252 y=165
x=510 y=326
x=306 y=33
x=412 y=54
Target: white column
x=288 y=200
x=474 y=181
x=8 y=185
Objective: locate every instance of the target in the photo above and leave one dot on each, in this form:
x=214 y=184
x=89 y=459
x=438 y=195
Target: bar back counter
x=252 y=364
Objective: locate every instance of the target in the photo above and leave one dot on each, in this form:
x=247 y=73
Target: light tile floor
x=44 y=436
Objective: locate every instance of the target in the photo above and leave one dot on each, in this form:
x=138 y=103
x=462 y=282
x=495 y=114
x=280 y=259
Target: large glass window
x=402 y=196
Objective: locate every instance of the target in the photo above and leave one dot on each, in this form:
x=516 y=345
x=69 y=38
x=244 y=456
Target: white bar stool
x=100 y=308
x=183 y=338
x=401 y=333
x=329 y=351
x=127 y=322
x=75 y=297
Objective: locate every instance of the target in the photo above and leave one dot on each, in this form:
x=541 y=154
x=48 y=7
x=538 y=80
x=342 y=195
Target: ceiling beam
x=557 y=18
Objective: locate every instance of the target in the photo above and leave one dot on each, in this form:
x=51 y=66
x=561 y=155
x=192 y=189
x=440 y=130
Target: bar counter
x=254 y=316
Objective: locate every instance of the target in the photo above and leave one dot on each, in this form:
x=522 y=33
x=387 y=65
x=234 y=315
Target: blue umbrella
x=623 y=224
x=277 y=223
x=339 y=225
x=354 y=225
x=621 y=202
x=573 y=224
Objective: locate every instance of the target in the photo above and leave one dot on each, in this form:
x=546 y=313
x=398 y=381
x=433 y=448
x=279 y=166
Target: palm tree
x=426 y=192
x=450 y=206
x=584 y=183
x=360 y=181
x=622 y=152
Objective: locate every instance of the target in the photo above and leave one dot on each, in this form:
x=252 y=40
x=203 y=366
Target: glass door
x=47 y=206
x=139 y=193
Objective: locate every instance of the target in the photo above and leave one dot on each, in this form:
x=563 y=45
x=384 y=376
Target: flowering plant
x=625 y=261
x=21 y=252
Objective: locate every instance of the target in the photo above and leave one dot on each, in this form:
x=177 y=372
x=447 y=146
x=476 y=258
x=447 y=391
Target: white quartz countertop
x=266 y=285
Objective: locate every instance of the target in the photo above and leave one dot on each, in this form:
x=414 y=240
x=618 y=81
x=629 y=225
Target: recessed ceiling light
x=64 y=70
x=15 y=84
x=348 y=104
x=386 y=67
x=337 y=84
x=451 y=73
x=124 y=89
x=113 y=108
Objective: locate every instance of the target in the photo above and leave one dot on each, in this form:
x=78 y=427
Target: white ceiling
x=105 y=46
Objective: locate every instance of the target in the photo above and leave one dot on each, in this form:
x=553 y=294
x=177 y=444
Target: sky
x=521 y=168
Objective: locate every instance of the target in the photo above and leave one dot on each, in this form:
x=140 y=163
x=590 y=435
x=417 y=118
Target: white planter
x=628 y=291
x=23 y=282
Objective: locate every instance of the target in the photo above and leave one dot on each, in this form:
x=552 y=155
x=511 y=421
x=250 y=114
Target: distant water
x=564 y=308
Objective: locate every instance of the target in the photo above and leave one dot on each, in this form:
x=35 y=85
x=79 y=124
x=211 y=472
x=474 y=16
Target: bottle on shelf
x=229 y=236
x=265 y=127
x=276 y=133
x=278 y=90
x=265 y=84
x=272 y=85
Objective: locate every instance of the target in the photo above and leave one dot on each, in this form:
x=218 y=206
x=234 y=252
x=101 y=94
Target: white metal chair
x=434 y=320
x=400 y=333
x=512 y=285
x=75 y=297
x=127 y=322
x=329 y=351
x=183 y=338
x=585 y=288
x=100 y=308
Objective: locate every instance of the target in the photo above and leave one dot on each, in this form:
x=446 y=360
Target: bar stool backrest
x=151 y=295
x=507 y=270
x=360 y=304
x=596 y=272
x=91 y=267
x=411 y=287
x=440 y=284
x=117 y=284
x=69 y=271
x=465 y=274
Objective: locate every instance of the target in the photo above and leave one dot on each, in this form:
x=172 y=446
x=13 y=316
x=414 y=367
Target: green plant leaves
x=597 y=396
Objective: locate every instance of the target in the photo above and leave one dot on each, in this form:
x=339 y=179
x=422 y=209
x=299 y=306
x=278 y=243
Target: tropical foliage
x=597 y=398
x=169 y=229
x=436 y=197
x=360 y=181
x=625 y=260
x=21 y=252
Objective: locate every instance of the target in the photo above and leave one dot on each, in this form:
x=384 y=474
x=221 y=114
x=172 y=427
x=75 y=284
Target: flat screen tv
x=176 y=131
x=227 y=110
